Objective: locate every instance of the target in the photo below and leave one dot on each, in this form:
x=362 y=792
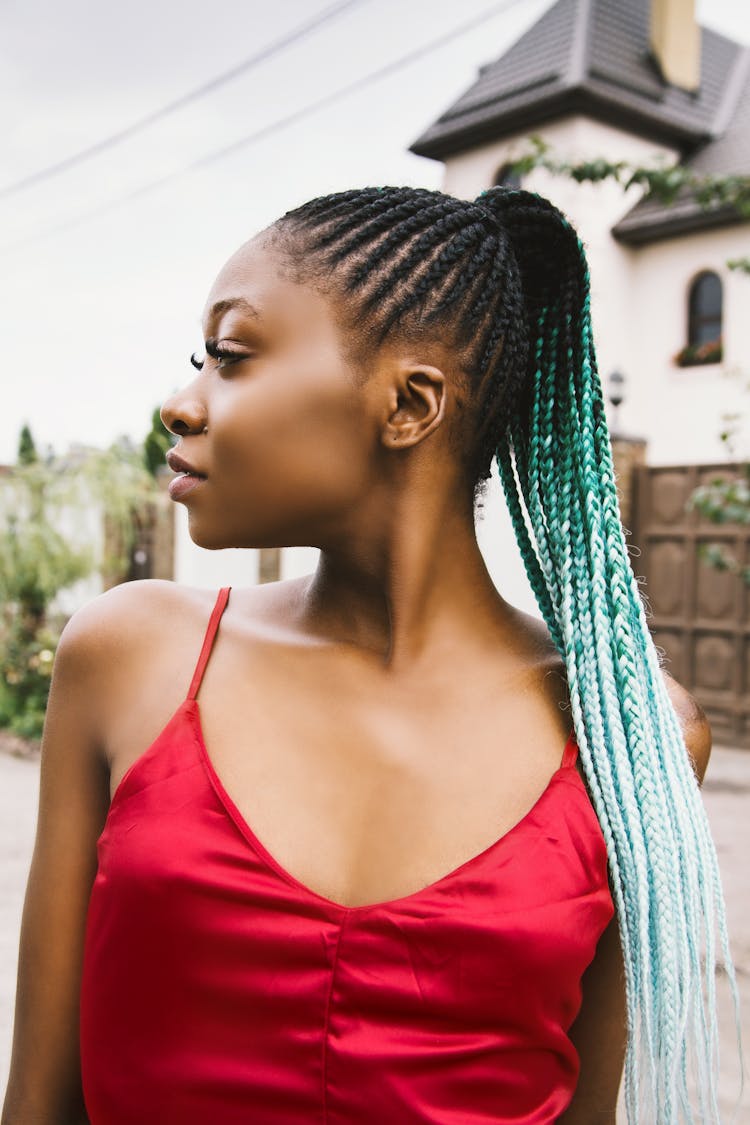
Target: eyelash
x=219 y=354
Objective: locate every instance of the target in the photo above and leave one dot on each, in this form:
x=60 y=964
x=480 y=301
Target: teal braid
x=504 y=279
x=541 y=577
x=663 y=865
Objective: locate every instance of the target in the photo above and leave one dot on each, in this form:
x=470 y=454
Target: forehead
x=257 y=284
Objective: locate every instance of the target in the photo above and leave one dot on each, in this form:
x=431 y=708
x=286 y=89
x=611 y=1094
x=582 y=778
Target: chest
x=367 y=792
x=463 y=991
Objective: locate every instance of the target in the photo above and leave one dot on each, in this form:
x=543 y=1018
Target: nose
x=184 y=413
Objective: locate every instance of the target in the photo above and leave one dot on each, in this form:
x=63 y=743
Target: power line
x=353 y=87
x=273 y=127
x=142 y=123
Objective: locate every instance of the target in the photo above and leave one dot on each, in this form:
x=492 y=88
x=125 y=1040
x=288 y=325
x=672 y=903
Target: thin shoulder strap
x=208 y=640
x=570 y=753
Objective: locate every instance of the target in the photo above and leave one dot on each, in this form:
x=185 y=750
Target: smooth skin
x=377 y=723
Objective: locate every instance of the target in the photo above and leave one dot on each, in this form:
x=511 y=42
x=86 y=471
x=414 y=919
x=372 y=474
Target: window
x=504 y=177
x=704 y=321
x=704 y=309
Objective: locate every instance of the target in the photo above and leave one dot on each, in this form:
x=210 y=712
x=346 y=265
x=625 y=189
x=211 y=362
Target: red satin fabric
x=219 y=990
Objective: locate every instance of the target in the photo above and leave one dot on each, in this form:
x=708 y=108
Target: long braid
x=662 y=859
x=506 y=275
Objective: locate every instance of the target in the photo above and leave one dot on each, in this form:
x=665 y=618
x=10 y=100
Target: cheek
x=294 y=450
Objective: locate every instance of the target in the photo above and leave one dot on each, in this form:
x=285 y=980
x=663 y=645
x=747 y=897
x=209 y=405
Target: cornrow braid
x=506 y=278
x=410 y=258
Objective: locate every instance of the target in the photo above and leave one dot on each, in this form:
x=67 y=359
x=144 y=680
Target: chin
x=221 y=543
x=213 y=538
x=222 y=539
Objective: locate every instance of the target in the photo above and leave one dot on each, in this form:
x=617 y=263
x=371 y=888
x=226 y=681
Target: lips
x=183 y=484
x=178 y=465
x=188 y=476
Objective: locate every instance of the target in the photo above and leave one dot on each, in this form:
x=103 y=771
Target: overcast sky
x=100 y=301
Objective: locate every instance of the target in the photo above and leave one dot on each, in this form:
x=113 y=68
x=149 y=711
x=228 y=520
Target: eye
x=223 y=359
x=224 y=356
x=197 y=363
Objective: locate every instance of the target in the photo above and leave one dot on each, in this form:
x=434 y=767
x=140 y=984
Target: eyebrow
x=234 y=303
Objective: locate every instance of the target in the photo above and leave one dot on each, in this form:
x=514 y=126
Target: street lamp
x=615 y=396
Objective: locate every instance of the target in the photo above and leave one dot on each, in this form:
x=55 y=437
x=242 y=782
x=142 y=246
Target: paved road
x=727 y=797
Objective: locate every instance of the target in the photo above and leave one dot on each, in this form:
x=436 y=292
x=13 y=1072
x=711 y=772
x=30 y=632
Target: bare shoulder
x=129 y=619
x=696 y=728
x=127 y=614
x=545 y=658
x=122 y=641
x=134 y=609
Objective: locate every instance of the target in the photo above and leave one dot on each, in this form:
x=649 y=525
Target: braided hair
x=504 y=280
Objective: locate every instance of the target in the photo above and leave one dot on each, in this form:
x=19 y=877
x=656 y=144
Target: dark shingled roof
x=593 y=57
x=727 y=154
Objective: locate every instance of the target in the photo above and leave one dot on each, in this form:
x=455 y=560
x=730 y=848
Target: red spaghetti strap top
x=208 y=641
x=217 y=989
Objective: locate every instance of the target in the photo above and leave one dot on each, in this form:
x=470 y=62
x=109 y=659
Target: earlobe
x=417 y=406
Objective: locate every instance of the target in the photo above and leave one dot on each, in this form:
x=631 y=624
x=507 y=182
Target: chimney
x=676 y=42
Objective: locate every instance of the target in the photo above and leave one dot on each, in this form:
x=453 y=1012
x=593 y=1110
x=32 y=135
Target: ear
x=416 y=404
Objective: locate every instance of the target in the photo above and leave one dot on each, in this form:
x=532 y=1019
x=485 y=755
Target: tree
x=156 y=443
x=35 y=565
x=45 y=547
x=27 y=453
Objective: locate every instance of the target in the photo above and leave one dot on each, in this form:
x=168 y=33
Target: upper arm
x=696 y=728
x=107 y=647
x=599 y=1035
x=44 y=1083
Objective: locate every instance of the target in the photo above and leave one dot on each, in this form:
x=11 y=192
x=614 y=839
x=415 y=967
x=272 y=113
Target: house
x=639 y=81
x=590 y=79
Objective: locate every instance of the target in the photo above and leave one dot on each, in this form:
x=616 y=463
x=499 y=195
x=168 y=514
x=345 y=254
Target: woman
x=366 y=882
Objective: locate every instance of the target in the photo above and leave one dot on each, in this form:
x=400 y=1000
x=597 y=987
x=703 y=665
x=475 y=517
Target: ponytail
x=556 y=464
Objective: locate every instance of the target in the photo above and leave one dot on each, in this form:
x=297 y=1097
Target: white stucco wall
x=679 y=409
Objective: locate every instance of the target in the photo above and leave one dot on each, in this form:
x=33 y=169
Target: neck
x=407 y=586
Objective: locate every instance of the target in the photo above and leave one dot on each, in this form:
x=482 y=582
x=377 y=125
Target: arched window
x=704 y=321
x=704 y=309
x=504 y=177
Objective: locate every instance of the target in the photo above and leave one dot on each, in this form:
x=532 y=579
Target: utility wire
x=273 y=127
x=142 y=123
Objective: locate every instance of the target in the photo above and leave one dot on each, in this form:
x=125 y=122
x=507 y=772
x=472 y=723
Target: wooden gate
x=699 y=616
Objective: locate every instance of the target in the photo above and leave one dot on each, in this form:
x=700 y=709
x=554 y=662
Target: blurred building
x=639 y=81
